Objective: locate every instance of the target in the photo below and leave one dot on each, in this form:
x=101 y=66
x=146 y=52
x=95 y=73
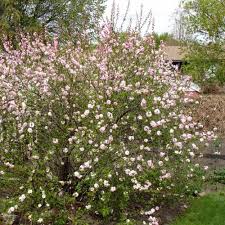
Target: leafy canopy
x=57 y=16
x=205 y=22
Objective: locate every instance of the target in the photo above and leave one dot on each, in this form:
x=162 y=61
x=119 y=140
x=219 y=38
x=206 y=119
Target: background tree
x=167 y=38
x=67 y=17
x=1 y=9
x=179 y=27
x=204 y=21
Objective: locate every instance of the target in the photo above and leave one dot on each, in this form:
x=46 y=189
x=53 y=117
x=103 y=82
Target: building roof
x=175 y=53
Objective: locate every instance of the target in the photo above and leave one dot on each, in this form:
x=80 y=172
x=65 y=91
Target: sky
x=162 y=11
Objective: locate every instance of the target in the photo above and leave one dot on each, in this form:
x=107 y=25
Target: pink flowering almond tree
x=95 y=130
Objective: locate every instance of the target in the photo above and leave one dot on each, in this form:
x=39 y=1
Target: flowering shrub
x=94 y=131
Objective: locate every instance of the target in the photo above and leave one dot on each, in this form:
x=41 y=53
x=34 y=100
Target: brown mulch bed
x=211 y=112
x=168 y=213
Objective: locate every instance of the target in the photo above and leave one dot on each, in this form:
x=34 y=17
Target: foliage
x=204 y=20
x=205 y=64
x=97 y=131
x=219 y=176
x=61 y=17
x=205 y=17
x=167 y=38
x=208 y=210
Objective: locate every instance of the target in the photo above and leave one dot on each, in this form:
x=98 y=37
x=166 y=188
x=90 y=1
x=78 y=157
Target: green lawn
x=208 y=210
